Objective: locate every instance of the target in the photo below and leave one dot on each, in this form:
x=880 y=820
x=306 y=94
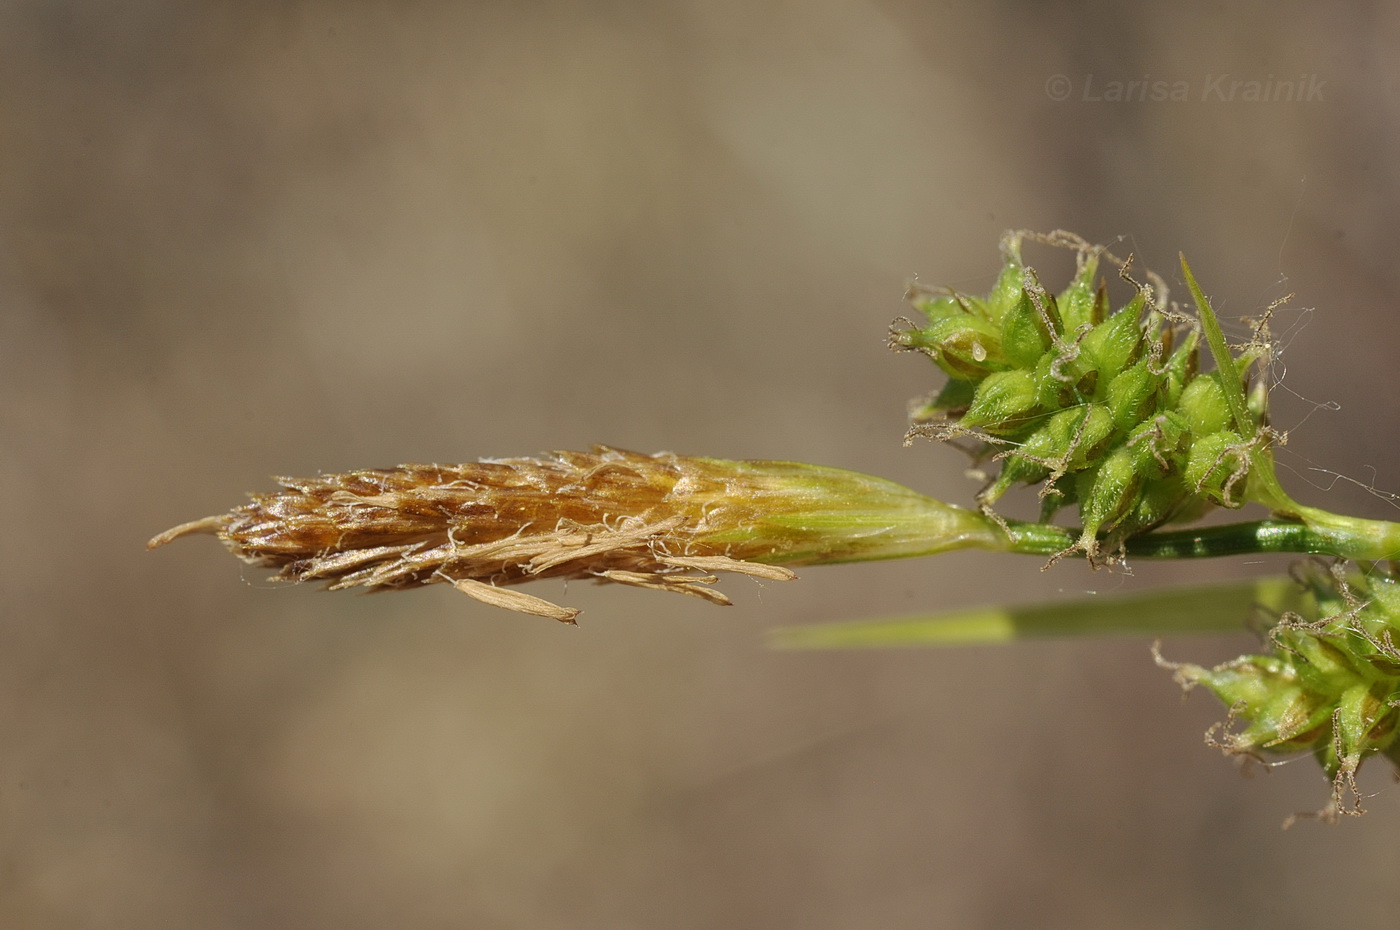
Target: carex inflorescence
x=1105 y=409
x=1109 y=411
x=1330 y=685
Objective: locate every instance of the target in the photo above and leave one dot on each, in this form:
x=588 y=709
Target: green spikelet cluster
x=1104 y=409
x=1331 y=686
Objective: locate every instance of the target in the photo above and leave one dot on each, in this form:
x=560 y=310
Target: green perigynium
x=1106 y=409
x=1330 y=685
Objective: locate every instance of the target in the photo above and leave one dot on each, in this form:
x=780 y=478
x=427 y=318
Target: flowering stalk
x=1110 y=413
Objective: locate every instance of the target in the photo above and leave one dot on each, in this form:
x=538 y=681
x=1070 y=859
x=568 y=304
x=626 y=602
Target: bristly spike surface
x=662 y=521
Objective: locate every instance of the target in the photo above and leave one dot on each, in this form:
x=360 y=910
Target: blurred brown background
x=252 y=239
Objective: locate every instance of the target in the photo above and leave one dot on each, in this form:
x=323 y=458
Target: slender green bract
x=1210 y=609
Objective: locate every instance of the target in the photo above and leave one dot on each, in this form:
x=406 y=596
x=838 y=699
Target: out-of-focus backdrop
x=239 y=240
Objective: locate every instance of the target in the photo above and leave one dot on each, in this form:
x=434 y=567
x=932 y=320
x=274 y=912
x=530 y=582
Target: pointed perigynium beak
x=654 y=521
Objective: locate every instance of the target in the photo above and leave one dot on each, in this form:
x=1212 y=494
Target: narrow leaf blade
x=1217 y=608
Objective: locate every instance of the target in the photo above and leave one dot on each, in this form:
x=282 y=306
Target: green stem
x=1324 y=534
x=1351 y=537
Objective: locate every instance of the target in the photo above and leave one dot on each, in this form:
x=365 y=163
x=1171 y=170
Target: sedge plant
x=1134 y=421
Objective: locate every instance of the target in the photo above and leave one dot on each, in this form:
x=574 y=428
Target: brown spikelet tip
x=210 y=525
x=609 y=515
